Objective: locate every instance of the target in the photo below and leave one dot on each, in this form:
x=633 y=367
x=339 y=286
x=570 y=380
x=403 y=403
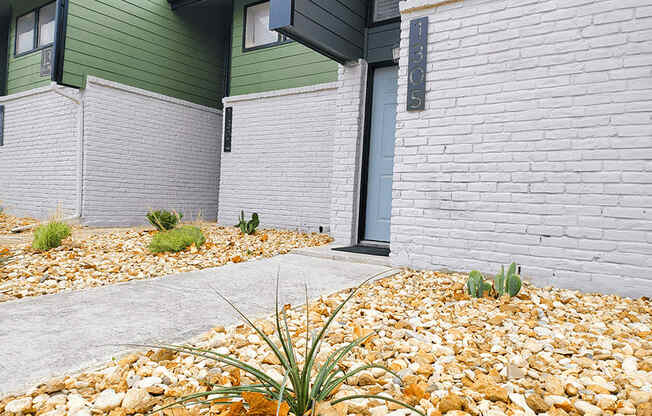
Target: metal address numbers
x=417 y=64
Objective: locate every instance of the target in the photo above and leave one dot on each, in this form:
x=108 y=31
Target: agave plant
x=300 y=393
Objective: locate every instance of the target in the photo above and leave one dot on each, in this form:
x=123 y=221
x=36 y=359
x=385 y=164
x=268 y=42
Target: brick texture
x=346 y=154
x=280 y=164
x=143 y=150
x=38 y=162
x=536 y=144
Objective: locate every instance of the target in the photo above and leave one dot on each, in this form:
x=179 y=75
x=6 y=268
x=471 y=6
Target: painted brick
x=147 y=151
x=280 y=165
x=38 y=162
x=545 y=128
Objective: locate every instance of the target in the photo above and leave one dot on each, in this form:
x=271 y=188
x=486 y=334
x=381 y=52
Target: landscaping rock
x=137 y=401
x=21 y=405
x=108 y=400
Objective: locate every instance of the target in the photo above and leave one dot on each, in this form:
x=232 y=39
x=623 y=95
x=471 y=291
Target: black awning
x=333 y=28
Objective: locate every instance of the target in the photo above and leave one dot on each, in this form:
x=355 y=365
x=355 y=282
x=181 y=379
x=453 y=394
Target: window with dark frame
x=256 y=28
x=35 y=29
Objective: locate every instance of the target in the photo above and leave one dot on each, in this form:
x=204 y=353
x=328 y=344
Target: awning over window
x=334 y=28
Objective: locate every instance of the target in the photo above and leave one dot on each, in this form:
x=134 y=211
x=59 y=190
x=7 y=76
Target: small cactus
x=509 y=283
x=476 y=286
x=248 y=227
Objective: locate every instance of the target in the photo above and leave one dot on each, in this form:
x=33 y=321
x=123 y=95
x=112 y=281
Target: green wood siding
x=279 y=67
x=23 y=72
x=143 y=43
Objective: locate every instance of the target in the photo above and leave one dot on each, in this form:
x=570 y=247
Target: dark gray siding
x=336 y=28
x=381 y=40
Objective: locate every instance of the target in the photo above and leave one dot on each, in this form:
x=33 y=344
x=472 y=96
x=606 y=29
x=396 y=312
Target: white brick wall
x=144 y=150
x=281 y=159
x=536 y=145
x=347 y=152
x=38 y=162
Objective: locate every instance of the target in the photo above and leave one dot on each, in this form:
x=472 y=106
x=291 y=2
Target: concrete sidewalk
x=58 y=334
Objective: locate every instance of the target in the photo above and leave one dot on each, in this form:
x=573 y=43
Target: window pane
x=257 y=31
x=46 y=24
x=25 y=33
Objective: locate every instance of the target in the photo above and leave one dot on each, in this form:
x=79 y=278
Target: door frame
x=366 y=144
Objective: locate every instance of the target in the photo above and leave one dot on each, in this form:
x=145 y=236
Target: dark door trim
x=366 y=142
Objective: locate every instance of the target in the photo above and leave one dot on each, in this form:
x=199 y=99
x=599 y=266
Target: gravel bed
x=547 y=351
x=94 y=258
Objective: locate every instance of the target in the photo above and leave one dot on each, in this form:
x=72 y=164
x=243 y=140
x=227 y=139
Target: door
x=380 y=165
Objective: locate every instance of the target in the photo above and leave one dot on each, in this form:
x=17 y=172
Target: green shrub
x=476 y=286
x=50 y=235
x=248 y=227
x=177 y=240
x=164 y=220
x=308 y=382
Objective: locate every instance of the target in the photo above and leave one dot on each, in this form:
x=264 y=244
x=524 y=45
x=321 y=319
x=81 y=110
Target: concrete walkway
x=58 y=334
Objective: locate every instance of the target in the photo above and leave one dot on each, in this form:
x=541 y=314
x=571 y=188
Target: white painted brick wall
x=38 y=162
x=536 y=145
x=281 y=159
x=346 y=153
x=144 y=150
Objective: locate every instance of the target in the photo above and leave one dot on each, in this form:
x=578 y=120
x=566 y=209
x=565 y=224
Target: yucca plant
x=300 y=393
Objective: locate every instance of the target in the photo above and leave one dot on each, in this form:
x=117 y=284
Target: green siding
x=143 y=43
x=279 y=67
x=23 y=73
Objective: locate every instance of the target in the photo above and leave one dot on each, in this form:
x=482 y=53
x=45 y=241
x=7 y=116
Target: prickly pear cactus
x=248 y=227
x=509 y=283
x=475 y=285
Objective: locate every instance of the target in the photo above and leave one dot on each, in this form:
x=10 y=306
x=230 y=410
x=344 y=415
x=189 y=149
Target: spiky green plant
x=509 y=283
x=476 y=286
x=164 y=220
x=248 y=227
x=300 y=390
x=50 y=235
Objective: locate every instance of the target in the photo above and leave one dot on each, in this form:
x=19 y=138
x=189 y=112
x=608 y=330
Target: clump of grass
x=177 y=240
x=164 y=220
x=305 y=387
x=50 y=235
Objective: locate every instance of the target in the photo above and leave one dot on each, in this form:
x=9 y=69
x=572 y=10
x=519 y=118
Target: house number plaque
x=417 y=64
x=228 y=128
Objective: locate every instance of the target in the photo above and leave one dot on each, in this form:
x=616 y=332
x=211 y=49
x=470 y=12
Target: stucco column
x=346 y=151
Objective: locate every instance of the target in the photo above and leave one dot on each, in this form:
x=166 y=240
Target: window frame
x=282 y=39
x=37 y=18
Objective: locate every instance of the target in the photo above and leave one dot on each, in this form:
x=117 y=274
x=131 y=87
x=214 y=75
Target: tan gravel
x=102 y=257
x=9 y=222
x=551 y=352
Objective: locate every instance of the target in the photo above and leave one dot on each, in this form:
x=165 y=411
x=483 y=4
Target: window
x=46 y=24
x=257 y=33
x=25 y=33
x=35 y=30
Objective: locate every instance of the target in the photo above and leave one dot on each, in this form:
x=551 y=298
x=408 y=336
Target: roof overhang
x=5 y=8
x=176 y=4
x=335 y=29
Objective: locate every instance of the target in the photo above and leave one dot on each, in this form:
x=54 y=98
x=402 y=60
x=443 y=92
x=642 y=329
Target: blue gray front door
x=378 y=207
